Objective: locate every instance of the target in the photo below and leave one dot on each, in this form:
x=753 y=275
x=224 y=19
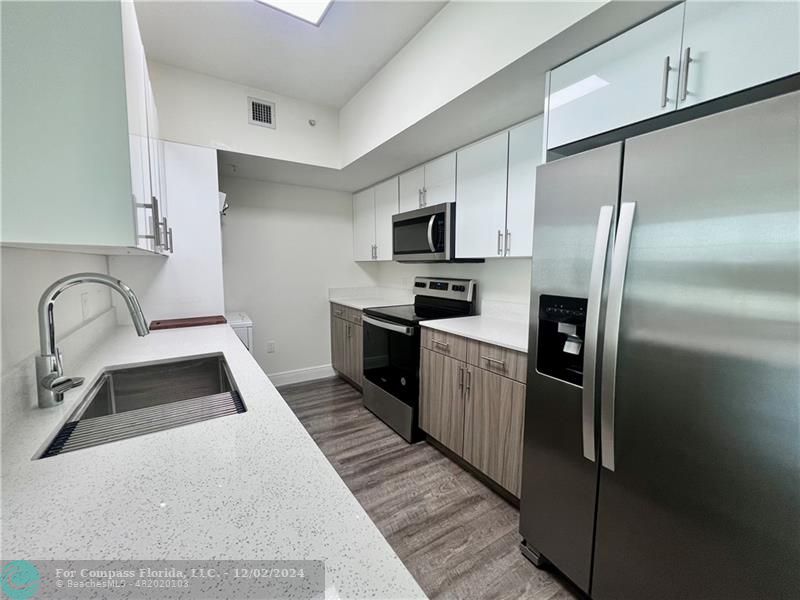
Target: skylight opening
x=310 y=11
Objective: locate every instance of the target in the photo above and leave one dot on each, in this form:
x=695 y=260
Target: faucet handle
x=59 y=360
x=59 y=384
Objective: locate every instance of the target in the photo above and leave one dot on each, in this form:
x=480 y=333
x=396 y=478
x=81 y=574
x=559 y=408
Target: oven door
x=423 y=235
x=391 y=358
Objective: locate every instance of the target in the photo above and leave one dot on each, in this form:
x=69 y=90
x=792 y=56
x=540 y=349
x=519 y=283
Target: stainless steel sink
x=132 y=401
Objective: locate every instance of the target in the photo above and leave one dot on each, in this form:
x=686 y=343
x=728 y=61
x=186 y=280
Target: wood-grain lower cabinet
x=442 y=399
x=494 y=414
x=338 y=344
x=347 y=347
x=472 y=400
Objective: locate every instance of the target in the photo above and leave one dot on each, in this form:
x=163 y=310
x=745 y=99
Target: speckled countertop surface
x=362 y=303
x=246 y=486
x=511 y=334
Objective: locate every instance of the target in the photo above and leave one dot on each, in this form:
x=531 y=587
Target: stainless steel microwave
x=425 y=234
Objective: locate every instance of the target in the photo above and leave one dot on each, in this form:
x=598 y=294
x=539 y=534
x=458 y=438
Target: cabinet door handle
x=169 y=239
x=508 y=243
x=460 y=378
x=440 y=343
x=665 y=82
x=496 y=361
x=499 y=242
x=156 y=222
x=424 y=196
x=469 y=380
x=338 y=312
x=349 y=331
x=419 y=197
x=687 y=58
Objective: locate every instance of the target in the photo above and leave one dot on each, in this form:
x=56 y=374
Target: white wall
x=283 y=247
x=499 y=279
x=189 y=282
x=465 y=43
x=25 y=275
x=206 y=111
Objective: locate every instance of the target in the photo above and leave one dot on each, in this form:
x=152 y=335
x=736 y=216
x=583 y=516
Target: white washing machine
x=243 y=326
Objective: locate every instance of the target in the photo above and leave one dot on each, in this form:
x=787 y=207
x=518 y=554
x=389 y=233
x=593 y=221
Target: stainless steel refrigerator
x=662 y=421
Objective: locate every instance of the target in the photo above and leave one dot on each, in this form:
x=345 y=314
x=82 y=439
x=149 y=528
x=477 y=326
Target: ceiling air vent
x=261 y=112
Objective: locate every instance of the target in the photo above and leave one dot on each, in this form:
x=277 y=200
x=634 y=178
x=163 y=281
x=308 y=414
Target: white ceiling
x=252 y=44
x=510 y=96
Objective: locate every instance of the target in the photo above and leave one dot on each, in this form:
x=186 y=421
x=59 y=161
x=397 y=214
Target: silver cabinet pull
x=461 y=378
x=469 y=380
x=338 y=312
x=169 y=239
x=499 y=242
x=665 y=82
x=165 y=233
x=508 y=243
x=419 y=197
x=430 y=233
x=687 y=58
x=424 y=196
x=596 y=278
x=616 y=283
x=495 y=361
x=156 y=223
x=349 y=331
x=440 y=343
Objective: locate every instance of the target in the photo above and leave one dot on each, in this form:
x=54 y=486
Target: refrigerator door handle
x=596 y=279
x=619 y=265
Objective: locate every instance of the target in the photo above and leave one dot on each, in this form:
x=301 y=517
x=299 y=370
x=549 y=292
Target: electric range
x=392 y=348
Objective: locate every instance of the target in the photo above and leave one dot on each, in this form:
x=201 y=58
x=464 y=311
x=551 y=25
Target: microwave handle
x=430 y=233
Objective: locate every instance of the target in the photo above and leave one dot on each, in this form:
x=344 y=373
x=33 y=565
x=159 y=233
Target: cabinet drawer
x=503 y=361
x=448 y=344
x=345 y=312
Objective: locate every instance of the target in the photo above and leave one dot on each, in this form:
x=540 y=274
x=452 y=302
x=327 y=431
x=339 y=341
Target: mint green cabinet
x=76 y=148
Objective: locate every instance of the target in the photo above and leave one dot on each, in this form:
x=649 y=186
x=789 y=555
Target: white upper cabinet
x=732 y=46
x=429 y=184
x=364 y=225
x=524 y=155
x=386 y=205
x=481 y=205
x=440 y=180
x=628 y=79
x=411 y=184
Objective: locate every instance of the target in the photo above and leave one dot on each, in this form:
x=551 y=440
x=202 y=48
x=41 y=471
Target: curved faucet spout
x=47 y=341
x=49 y=362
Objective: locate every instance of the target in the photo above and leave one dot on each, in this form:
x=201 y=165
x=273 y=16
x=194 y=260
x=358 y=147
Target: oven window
x=411 y=236
x=391 y=361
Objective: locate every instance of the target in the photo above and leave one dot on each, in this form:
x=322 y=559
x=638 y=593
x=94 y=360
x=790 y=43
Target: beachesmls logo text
x=20 y=580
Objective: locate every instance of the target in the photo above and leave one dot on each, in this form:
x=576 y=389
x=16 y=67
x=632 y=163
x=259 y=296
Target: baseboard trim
x=301 y=375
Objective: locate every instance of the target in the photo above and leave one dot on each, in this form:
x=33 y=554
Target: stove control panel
x=444 y=287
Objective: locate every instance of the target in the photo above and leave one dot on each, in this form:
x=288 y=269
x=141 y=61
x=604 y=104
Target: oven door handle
x=409 y=331
x=430 y=233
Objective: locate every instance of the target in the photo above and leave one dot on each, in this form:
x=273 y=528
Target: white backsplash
x=18 y=383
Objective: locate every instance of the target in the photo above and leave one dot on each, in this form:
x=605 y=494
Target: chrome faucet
x=49 y=369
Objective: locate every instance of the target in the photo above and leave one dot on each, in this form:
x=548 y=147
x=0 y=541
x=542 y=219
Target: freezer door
x=576 y=201
x=704 y=497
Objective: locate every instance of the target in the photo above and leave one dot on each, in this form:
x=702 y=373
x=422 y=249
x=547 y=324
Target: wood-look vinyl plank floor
x=456 y=536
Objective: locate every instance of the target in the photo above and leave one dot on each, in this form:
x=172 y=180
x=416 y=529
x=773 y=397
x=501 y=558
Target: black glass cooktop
x=412 y=314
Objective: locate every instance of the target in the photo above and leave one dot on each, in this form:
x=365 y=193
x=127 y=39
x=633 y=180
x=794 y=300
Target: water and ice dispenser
x=562 y=326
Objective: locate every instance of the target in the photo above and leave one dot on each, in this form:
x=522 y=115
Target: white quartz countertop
x=512 y=334
x=246 y=486
x=362 y=303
